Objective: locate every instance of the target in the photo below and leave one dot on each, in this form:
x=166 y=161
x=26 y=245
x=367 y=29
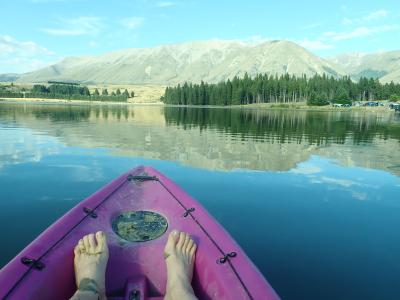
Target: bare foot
x=179 y=256
x=91 y=256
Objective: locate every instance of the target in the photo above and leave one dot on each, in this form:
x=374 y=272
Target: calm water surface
x=313 y=197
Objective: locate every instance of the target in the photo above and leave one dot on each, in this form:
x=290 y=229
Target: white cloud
x=347 y=21
x=22 y=56
x=46 y=1
x=77 y=27
x=256 y=39
x=9 y=45
x=311 y=26
x=55 y=1
x=306 y=169
x=93 y=43
x=162 y=4
x=376 y=15
x=132 y=23
x=360 y=196
x=372 y=16
x=336 y=181
x=358 y=32
x=314 y=44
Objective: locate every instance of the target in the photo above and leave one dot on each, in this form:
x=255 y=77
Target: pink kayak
x=136 y=211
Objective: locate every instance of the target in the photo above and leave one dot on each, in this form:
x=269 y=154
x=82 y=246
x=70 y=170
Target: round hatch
x=139 y=226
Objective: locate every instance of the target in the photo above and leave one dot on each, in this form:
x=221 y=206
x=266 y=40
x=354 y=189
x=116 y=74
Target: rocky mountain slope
x=211 y=61
x=382 y=65
x=8 y=77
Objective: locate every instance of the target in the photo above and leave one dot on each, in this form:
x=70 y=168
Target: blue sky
x=35 y=33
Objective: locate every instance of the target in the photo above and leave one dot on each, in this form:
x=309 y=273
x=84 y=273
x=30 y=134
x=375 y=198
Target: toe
x=181 y=241
x=189 y=246
x=86 y=243
x=101 y=242
x=193 y=250
x=92 y=243
x=186 y=243
x=172 y=240
x=77 y=250
x=81 y=246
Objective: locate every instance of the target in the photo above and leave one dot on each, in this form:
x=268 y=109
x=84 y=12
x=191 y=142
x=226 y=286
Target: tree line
x=67 y=91
x=264 y=88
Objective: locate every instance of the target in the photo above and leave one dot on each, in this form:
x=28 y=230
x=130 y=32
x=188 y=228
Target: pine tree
x=342 y=96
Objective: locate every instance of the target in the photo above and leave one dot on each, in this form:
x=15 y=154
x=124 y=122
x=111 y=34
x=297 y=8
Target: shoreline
x=299 y=106
x=65 y=101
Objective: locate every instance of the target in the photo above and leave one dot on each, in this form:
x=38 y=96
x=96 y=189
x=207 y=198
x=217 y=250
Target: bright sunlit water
x=312 y=197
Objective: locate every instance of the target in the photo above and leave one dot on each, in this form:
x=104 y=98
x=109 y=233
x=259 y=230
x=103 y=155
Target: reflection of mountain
x=222 y=139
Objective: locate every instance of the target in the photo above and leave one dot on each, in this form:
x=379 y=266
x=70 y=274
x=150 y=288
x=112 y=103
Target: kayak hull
x=44 y=269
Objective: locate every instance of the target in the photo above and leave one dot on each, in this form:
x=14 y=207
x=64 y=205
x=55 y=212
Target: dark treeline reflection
x=69 y=113
x=288 y=126
x=82 y=113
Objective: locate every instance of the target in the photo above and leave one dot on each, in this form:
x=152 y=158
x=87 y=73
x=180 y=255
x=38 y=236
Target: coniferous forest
x=64 y=91
x=317 y=90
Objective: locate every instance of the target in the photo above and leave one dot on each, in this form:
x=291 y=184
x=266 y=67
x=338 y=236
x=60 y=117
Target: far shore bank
x=300 y=106
x=304 y=106
x=86 y=102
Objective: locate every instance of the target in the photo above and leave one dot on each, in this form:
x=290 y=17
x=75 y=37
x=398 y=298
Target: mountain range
x=382 y=65
x=212 y=61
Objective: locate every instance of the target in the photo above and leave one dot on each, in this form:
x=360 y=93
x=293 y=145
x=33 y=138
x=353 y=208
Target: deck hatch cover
x=139 y=226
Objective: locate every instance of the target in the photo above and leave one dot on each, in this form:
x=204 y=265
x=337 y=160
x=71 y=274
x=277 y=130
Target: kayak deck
x=44 y=270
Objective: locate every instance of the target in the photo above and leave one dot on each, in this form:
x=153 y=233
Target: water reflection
x=314 y=185
x=223 y=139
x=287 y=126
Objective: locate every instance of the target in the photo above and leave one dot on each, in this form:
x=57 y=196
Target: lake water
x=312 y=197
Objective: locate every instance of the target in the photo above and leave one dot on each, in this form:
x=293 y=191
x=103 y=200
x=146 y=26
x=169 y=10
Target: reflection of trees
x=72 y=113
x=282 y=126
x=286 y=126
x=216 y=138
x=68 y=114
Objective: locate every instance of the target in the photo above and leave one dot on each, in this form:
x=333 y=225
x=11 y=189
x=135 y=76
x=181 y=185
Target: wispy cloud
x=358 y=32
x=315 y=44
x=306 y=169
x=132 y=23
x=361 y=28
x=22 y=56
x=340 y=182
x=360 y=195
x=46 y=1
x=376 y=15
x=310 y=26
x=162 y=4
x=9 y=45
x=257 y=39
x=77 y=27
x=55 y=1
x=372 y=16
